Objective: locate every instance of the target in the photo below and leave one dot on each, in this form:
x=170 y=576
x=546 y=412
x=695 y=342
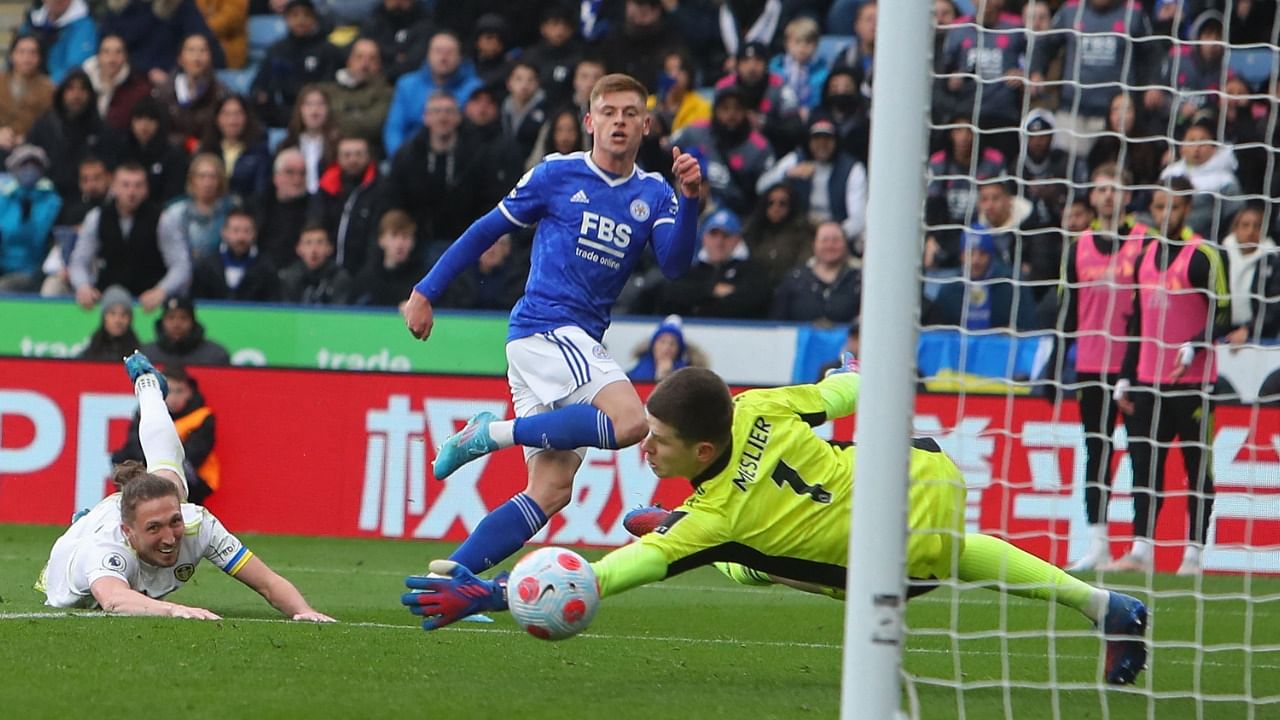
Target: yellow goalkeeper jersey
x=779 y=501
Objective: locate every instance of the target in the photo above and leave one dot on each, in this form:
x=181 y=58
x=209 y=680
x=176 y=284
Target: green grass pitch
x=697 y=646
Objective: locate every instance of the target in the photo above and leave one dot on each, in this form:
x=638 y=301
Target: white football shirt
x=95 y=547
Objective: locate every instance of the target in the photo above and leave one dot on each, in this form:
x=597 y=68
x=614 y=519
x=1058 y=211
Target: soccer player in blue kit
x=595 y=213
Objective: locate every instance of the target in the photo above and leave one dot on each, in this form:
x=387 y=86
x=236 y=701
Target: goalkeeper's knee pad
x=742 y=574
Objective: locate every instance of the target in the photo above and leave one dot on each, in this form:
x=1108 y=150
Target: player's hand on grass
x=183 y=612
x=451 y=593
x=684 y=168
x=313 y=616
x=418 y=316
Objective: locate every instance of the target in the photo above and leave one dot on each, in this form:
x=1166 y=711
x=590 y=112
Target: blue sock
x=566 y=428
x=500 y=534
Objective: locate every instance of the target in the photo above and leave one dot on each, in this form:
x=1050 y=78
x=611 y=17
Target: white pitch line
x=641 y=638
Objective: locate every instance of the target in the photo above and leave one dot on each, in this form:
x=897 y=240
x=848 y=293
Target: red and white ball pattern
x=552 y=593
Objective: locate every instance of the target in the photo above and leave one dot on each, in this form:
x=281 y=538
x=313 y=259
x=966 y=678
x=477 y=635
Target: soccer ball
x=552 y=593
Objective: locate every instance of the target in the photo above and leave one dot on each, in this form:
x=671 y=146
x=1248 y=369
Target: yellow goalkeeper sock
x=742 y=574
x=986 y=559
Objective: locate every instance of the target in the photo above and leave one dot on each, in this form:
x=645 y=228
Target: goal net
x=1087 y=165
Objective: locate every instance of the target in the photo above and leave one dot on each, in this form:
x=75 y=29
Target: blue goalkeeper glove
x=451 y=593
x=848 y=364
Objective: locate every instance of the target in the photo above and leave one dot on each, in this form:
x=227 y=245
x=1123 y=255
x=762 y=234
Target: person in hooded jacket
x=301 y=57
x=180 y=338
x=66 y=32
x=197 y=430
x=114 y=337
x=401 y=29
x=72 y=130
x=147 y=144
x=665 y=353
x=29 y=206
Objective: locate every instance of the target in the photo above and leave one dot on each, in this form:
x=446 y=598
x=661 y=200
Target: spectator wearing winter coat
x=351 y=200
x=118 y=244
x=181 y=340
x=313 y=130
x=66 y=32
x=229 y=22
x=237 y=271
x=281 y=213
x=196 y=218
x=1020 y=230
x=952 y=193
x=191 y=93
x=155 y=31
x=300 y=58
x=117 y=85
x=984 y=298
x=1211 y=168
x=237 y=139
x=778 y=233
x=445 y=71
x=735 y=154
x=315 y=278
x=724 y=282
x=828 y=289
x=524 y=109
x=665 y=352
x=359 y=95
x=25 y=93
x=114 y=337
x=72 y=130
x=637 y=45
x=29 y=206
x=799 y=65
x=387 y=281
x=830 y=184
x=439 y=176
x=401 y=30
x=771 y=104
x=1253 y=279
x=147 y=144
x=557 y=52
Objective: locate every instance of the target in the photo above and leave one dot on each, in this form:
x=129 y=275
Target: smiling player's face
x=619 y=122
x=156 y=531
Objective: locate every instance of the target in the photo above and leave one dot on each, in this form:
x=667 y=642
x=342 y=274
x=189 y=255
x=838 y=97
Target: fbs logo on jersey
x=184 y=572
x=114 y=562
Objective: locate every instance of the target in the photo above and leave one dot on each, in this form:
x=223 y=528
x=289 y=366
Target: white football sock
x=1192 y=555
x=503 y=432
x=160 y=443
x=1099 y=540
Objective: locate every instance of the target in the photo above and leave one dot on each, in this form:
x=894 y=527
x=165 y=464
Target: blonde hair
x=217 y=164
x=802 y=28
x=396 y=222
x=618 y=82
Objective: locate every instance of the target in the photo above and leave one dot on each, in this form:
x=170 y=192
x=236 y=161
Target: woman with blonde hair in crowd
x=198 y=216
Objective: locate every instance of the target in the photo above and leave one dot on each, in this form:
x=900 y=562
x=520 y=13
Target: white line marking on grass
x=645 y=638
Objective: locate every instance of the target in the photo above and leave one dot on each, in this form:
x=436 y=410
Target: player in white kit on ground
x=142 y=543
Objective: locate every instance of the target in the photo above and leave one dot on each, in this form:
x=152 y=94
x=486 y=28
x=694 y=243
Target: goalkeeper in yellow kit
x=772 y=502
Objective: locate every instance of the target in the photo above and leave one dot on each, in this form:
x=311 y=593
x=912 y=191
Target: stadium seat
x=829 y=46
x=264 y=31
x=1254 y=65
x=238 y=81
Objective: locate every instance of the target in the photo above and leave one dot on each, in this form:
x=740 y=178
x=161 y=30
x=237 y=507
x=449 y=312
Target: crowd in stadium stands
x=328 y=151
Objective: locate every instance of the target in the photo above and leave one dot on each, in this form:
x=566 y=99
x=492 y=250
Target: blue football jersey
x=592 y=230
